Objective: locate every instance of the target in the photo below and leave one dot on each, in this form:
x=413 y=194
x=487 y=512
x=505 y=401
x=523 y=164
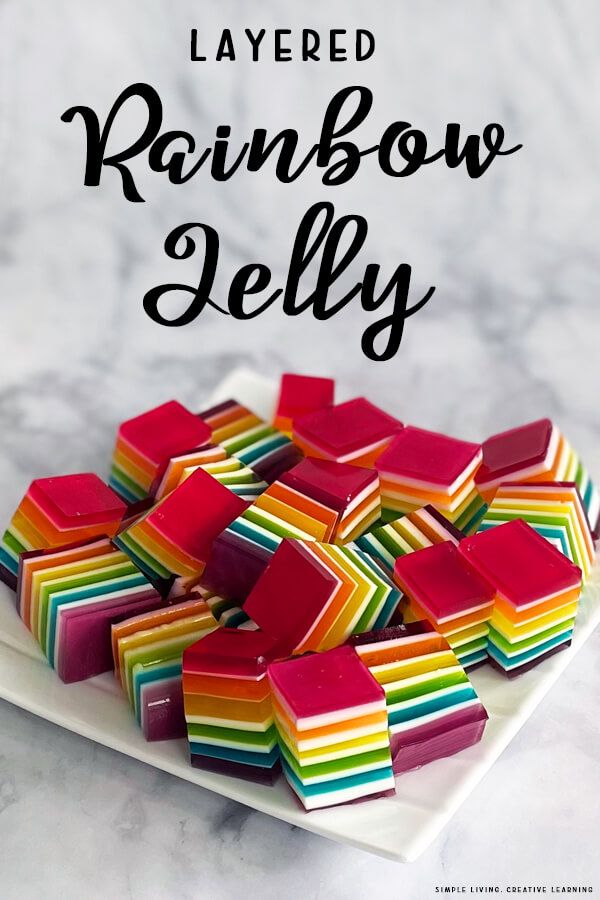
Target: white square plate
x=399 y=827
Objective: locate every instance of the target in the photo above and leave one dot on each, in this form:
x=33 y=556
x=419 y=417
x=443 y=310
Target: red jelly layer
x=427 y=456
x=76 y=501
x=291 y=595
x=443 y=582
x=165 y=431
x=521 y=564
x=302 y=394
x=196 y=512
x=348 y=427
x=322 y=683
x=229 y=651
x=331 y=483
x=515 y=449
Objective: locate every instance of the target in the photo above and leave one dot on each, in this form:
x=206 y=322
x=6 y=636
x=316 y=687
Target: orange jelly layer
x=373 y=720
x=232 y=688
x=225 y=708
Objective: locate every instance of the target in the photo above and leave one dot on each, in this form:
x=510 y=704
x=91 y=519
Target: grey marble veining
x=510 y=334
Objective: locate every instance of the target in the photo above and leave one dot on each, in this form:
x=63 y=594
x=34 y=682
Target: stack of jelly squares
x=313 y=596
x=227 y=704
x=70 y=596
x=355 y=432
x=350 y=493
x=147 y=653
x=535 y=452
x=414 y=531
x=212 y=458
x=331 y=723
x=300 y=395
x=442 y=587
x=556 y=512
x=316 y=500
x=537 y=594
x=241 y=553
x=145 y=444
x=423 y=467
x=173 y=540
x=244 y=435
x=433 y=709
x=58 y=511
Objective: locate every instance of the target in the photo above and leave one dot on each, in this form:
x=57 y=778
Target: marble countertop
x=510 y=334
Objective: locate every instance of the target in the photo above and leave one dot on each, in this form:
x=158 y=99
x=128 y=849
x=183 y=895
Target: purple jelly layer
x=518 y=670
x=162 y=710
x=234 y=566
x=256 y=774
x=445 y=743
x=428 y=730
x=276 y=463
x=448 y=526
x=392 y=633
x=84 y=639
x=8 y=578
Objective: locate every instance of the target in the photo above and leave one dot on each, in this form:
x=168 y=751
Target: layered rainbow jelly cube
x=354 y=432
x=442 y=587
x=60 y=510
x=414 y=531
x=433 y=709
x=553 y=509
x=423 y=467
x=146 y=443
x=69 y=597
x=331 y=723
x=537 y=594
x=244 y=435
x=536 y=451
x=227 y=701
x=147 y=653
x=173 y=540
x=350 y=493
x=313 y=596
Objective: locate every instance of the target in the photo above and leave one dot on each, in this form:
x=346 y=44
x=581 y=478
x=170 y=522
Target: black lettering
x=361 y=53
x=255 y=41
x=225 y=49
x=97 y=140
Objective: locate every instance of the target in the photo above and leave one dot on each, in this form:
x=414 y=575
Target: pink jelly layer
x=84 y=636
x=322 y=683
x=521 y=564
x=230 y=652
x=76 y=501
x=446 y=737
x=427 y=457
x=513 y=450
x=302 y=394
x=291 y=595
x=443 y=582
x=162 y=712
x=165 y=431
x=331 y=483
x=347 y=428
x=195 y=513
